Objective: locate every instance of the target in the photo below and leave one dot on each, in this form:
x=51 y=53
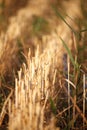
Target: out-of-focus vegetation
x=49 y=86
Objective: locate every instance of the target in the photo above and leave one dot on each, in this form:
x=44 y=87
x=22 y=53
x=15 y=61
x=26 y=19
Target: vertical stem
x=68 y=87
x=84 y=95
x=74 y=111
x=76 y=73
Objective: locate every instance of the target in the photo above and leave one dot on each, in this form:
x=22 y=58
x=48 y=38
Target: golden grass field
x=43 y=65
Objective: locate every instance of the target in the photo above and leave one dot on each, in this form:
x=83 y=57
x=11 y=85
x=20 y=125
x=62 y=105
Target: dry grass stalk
x=2 y=114
x=39 y=76
x=8 y=53
x=77 y=107
x=84 y=98
x=69 y=87
x=31 y=95
x=20 y=27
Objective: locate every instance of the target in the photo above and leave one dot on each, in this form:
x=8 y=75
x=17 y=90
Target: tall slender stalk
x=84 y=95
x=68 y=87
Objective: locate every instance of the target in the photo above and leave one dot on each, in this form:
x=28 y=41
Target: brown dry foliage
x=41 y=77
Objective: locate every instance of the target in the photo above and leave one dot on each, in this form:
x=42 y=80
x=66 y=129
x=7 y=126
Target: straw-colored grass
x=32 y=91
x=49 y=91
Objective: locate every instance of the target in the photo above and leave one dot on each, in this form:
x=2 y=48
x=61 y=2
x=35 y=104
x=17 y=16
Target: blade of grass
x=53 y=107
x=59 y=15
x=84 y=30
x=69 y=53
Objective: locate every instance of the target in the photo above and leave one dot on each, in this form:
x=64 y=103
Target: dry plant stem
x=5 y=104
x=76 y=77
x=84 y=95
x=77 y=108
x=68 y=87
x=70 y=83
x=60 y=113
x=31 y=93
x=74 y=96
x=36 y=76
x=74 y=108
